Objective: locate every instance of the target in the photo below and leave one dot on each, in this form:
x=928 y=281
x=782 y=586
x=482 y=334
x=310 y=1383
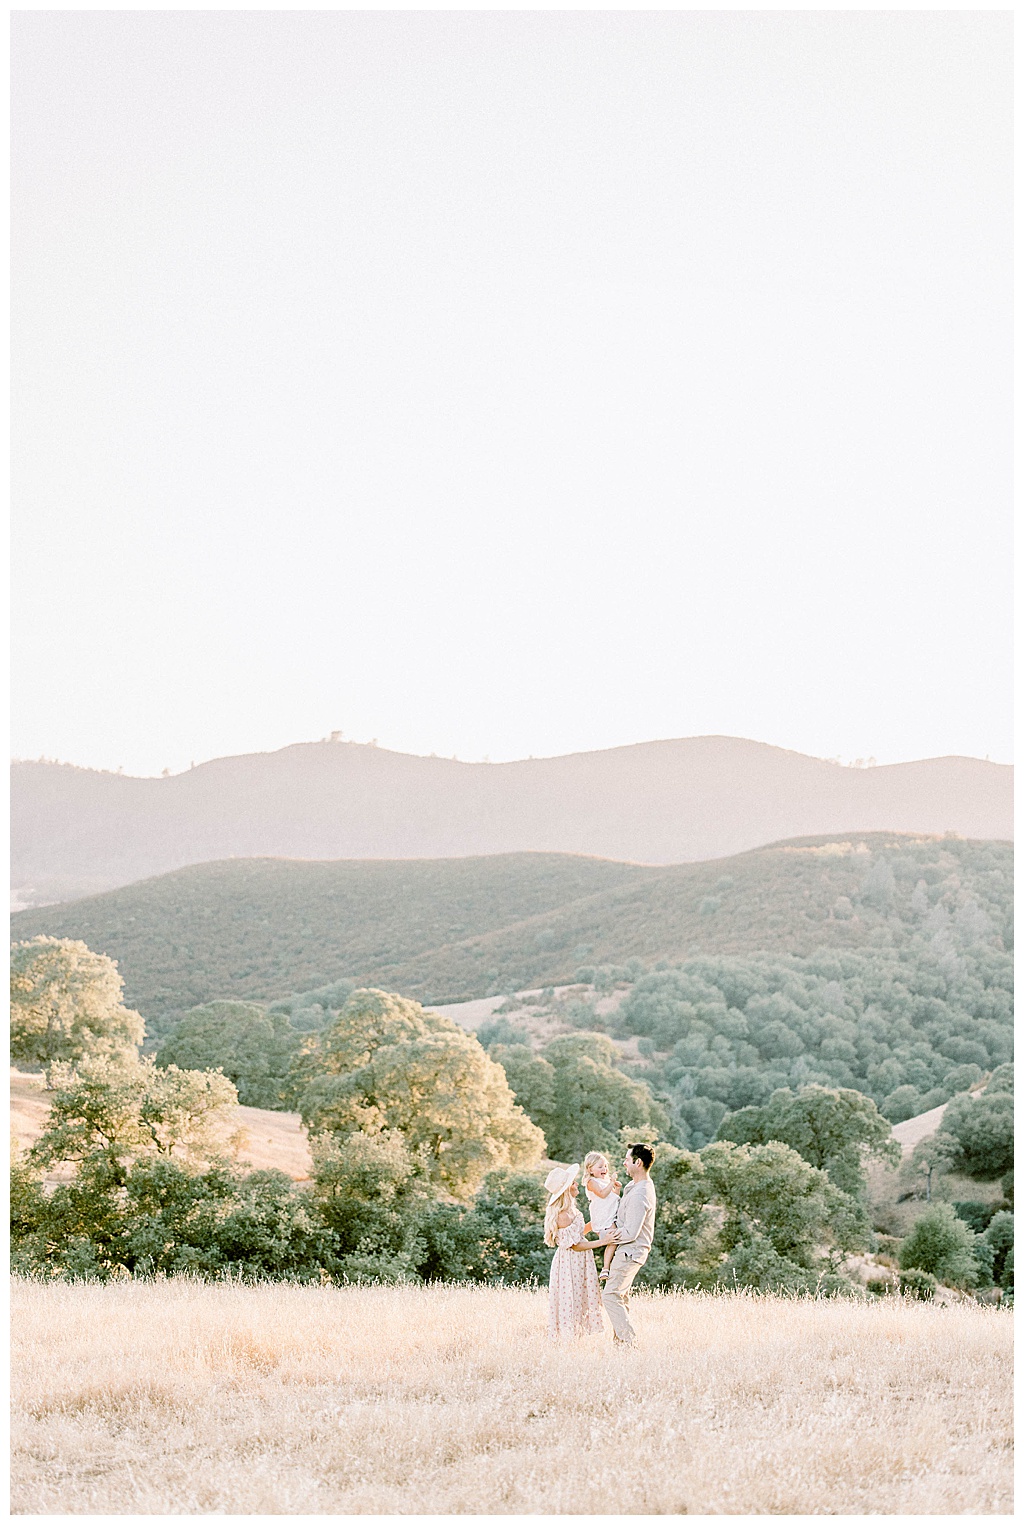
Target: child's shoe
x=602 y=1275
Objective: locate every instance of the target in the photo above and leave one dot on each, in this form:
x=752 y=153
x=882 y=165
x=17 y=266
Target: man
x=633 y=1232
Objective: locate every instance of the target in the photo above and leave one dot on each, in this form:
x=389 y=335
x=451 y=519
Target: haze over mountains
x=76 y=831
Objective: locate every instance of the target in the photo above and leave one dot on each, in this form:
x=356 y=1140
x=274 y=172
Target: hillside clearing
x=910 y=1133
x=179 y=1398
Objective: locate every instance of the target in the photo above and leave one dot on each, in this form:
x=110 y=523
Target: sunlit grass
x=176 y=1397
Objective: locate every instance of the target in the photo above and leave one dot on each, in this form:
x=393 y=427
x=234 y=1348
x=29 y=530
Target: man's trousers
x=616 y=1296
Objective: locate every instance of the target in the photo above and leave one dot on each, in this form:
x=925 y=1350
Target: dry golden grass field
x=175 y=1397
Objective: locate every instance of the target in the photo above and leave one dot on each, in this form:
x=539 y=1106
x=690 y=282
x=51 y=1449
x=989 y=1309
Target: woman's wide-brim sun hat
x=558 y=1179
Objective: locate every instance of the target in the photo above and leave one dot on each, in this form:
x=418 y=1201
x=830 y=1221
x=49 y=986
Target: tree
x=832 y=1129
x=932 y=1158
x=151 y=1183
x=768 y=1190
x=747 y=1215
x=252 y=1046
x=902 y=1103
x=687 y=1249
x=504 y=1231
x=532 y=1080
x=898 y=1024
x=999 y=1236
x=107 y=1112
x=66 y=1004
x=942 y=1244
x=390 y=1065
x=982 y=1130
x=879 y=885
x=372 y=1190
x=575 y=1092
x=369 y=1020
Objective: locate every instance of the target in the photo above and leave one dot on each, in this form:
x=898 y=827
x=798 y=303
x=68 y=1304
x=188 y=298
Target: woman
x=574 y=1294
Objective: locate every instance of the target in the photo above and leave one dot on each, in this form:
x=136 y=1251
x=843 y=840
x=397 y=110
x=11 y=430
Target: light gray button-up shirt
x=634 y=1219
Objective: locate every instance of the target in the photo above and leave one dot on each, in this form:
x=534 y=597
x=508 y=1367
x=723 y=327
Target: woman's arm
x=593 y=1244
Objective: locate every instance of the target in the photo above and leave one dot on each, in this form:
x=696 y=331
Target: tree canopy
x=107 y=1112
x=981 y=1128
x=908 y=1027
x=66 y=1003
x=254 y=1048
x=575 y=1092
x=385 y=1063
x=832 y=1129
x=942 y=1244
x=747 y=1215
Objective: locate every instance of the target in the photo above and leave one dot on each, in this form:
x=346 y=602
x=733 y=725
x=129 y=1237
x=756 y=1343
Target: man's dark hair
x=643 y=1154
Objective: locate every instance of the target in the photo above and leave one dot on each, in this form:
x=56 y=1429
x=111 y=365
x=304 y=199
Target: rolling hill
x=76 y=831
x=448 y=930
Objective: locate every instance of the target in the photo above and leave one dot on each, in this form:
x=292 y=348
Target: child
x=602 y=1189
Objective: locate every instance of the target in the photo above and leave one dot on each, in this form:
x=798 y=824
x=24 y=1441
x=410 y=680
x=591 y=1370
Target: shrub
x=757 y=1264
x=501 y=1030
x=1006 y=1279
x=920 y=1284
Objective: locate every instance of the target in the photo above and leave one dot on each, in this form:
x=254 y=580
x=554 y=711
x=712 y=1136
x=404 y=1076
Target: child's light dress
x=602 y=1210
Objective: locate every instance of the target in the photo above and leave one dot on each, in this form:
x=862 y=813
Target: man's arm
x=631 y=1213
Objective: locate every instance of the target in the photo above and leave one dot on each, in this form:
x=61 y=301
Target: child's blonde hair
x=591 y=1160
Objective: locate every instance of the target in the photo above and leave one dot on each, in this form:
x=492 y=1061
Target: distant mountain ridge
x=77 y=832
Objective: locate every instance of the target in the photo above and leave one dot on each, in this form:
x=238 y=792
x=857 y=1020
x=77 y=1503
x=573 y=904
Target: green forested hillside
x=264 y=927
x=909 y=1027
x=877 y=889
x=453 y=929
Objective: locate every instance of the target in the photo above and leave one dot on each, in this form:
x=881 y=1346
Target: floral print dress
x=574 y=1292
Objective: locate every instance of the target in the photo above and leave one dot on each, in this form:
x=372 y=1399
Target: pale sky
x=511 y=383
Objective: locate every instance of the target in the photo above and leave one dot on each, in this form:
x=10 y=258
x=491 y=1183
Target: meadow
x=178 y=1397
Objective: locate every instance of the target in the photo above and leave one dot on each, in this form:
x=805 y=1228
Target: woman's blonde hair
x=555 y=1206
x=591 y=1160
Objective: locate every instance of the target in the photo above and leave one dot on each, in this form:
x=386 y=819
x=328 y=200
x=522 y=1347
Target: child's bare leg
x=609 y=1252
